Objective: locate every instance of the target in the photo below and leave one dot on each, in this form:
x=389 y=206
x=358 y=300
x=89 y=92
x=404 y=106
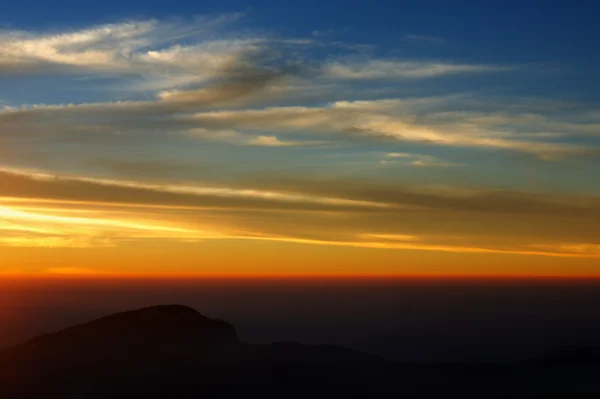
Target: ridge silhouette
x=174 y=351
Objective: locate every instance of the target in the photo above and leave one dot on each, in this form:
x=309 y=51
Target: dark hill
x=175 y=352
x=147 y=329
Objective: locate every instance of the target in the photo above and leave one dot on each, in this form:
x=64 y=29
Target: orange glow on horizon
x=73 y=239
x=256 y=276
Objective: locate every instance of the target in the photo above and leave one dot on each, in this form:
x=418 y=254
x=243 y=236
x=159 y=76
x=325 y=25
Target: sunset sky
x=299 y=138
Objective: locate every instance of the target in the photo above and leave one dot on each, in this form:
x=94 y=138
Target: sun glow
x=15 y=214
x=38 y=226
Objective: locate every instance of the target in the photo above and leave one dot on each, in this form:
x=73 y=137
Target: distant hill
x=173 y=351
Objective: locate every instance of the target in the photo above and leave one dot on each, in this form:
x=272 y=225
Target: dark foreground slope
x=175 y=352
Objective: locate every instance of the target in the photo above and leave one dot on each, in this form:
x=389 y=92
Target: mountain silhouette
x=173 y=351
x=157 y=325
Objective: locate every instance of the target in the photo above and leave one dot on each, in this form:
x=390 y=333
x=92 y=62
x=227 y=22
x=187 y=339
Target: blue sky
x=508 y=29
x=432 y=108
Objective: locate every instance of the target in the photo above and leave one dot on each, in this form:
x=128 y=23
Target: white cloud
x=149 y=49
x=100 y=47
x=399 y=155
x=390 y=69
x=168 y=54
x=194 y=70
x=235 y=137
x=433 y=163
x=418 y=160
x=373 y=121
x=385 y=119
x=269 y=141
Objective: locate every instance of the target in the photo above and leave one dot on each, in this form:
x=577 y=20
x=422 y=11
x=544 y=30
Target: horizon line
x=253 y=276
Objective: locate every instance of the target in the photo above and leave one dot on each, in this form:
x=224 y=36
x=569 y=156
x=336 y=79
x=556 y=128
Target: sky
x=299 y=138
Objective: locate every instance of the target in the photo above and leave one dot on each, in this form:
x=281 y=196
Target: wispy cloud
x=45 y=185
x=417 y=160
x=235 y=137
x=433 y=163
x=212 y=87
x=385 y=119
x=392 y=69
x=59 y=228
x=55 y=211
x=142 y=48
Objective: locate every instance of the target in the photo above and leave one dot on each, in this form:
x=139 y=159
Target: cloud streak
x=50 y=227
x=213 y=87
x=89 y=213
x=417 y=160
x=391 y=69
x=148 y=48
x=369 y=121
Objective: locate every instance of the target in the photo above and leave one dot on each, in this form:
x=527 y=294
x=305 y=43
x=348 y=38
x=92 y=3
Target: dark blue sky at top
x=565 y=31
x=552 y=36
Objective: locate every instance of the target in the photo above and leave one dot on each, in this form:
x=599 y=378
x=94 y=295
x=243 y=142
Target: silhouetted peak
x=174 y=351
x=147 y=327
x=161 y=317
